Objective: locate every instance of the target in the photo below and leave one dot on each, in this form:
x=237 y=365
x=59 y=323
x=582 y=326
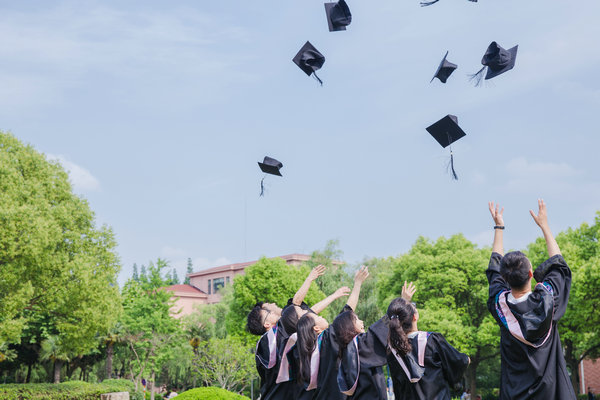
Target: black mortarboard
x=338 y=15
x=446 y=131
x=428 y=3
x=497 y=60
x=309 y=60
x=269 y=166
x=444 y=70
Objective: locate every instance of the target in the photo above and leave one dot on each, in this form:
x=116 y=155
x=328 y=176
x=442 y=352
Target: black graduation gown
x=372 y=353
x=536 y=370
x=444 y=366
x=269 y=389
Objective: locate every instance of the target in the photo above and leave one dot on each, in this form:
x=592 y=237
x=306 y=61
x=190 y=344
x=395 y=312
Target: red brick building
x=589 y=372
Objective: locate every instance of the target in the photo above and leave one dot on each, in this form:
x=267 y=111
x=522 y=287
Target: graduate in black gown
x=423 y=365
x=276 y=325
x=362 y=357
x=533 y=365
x=316 y=353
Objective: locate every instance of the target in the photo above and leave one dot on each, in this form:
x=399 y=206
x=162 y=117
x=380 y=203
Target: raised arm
x=498 y=246
x=301 y=293
x=359 y=278
x=542 y=221
x=320 y=306
x=408 y=290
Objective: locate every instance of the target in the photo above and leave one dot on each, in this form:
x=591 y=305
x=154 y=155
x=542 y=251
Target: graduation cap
x=444 y=70
x=309 y=60
x=338 y=15
x=269 y=166
x=428 y=3
x=446 y=131
x=497 y=60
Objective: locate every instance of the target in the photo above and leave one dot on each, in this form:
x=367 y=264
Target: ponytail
x=345 y=329
x=306 y=343
x=400 y=314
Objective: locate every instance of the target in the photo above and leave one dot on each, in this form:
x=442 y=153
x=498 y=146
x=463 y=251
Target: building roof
x=186 y=291
x=238 y=266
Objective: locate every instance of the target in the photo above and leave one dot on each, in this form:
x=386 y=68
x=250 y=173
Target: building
x=205 y=285
x=589 y=376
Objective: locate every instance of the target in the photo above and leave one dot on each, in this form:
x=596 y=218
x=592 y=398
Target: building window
x=209 y=287
x=227 y=280
x=218 y=283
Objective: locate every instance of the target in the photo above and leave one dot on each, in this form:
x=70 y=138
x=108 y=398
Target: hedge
x=72 y=390
x=209 y=393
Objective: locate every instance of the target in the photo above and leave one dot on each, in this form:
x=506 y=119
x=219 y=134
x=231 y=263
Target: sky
x=161 y=110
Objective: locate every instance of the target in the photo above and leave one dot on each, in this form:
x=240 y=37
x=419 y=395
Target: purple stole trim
x=511 y=323
x=284 y=367
x=272 y=339
x=350 y=391
x=422 y=343
x=315 y=359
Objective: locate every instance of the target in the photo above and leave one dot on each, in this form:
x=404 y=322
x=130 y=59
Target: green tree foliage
x=189 y=270
x=227 y=363
x=580 y=327
x=211 y=393
x=269 y=280
x=58 y=274
x=151 y=333
x=451 y=295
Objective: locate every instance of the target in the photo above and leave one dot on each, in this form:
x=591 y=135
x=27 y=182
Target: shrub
x=72 y=390
x=209 y=393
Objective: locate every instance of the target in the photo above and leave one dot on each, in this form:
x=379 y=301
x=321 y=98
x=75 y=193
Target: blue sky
x=161 y=110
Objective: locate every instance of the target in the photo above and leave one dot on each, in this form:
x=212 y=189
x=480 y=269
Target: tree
x=174 y=277
x=136 y=275
x=451 y=295
x=151 y=333
x=53 y=350
x=269 y=280
x=580 y=326
x=227 y=363
x=58 y=275
x=190 y=269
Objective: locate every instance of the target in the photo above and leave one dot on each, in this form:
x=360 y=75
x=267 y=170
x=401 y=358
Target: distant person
x=591 y=395
x=423 y=365
x=533 y=365
x=466 y=395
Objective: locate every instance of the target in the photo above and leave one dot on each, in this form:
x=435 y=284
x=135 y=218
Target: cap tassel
x=317 y=78
x=451 y=165
x=262 y=187
x=428 y=3
x=477 y=78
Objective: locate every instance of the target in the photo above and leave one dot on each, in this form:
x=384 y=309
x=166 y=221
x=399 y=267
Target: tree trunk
x=57 y=366
x=28 y=373
x=471 y=376
x=151 y=385
x=573 y=364
x=109 y=360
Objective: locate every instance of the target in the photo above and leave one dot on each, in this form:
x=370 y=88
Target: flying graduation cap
x=446 y=131
x=338 y=15
x=445 y=69
x=309 y=60
x=497 y=60
x=269 y=166
x=428 y=3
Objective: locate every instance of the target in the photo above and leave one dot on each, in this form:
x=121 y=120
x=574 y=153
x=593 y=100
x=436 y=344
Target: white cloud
x=201 y=263
x=81 y=178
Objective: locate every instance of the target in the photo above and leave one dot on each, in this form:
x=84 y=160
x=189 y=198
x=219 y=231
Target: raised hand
x=316 y=272
x=408 y=290
x=496 y=215
x=542 y=218
x=341 y=292
x=361 y=275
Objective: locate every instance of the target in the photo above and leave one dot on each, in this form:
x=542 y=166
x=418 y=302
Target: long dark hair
x=345 y=329
x=400 y=314
x=306 y=343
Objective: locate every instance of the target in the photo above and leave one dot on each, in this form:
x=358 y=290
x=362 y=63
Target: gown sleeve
x=453 y=362
x=555 y=272
x=372 y=344
x=496 y=282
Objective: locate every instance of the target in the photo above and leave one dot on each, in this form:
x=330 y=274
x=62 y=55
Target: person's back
x=533 y=365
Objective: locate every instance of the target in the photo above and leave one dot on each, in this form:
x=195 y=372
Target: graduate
x=362 y=356
x=533 y=365
x=422 y=364
x=315 y=355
